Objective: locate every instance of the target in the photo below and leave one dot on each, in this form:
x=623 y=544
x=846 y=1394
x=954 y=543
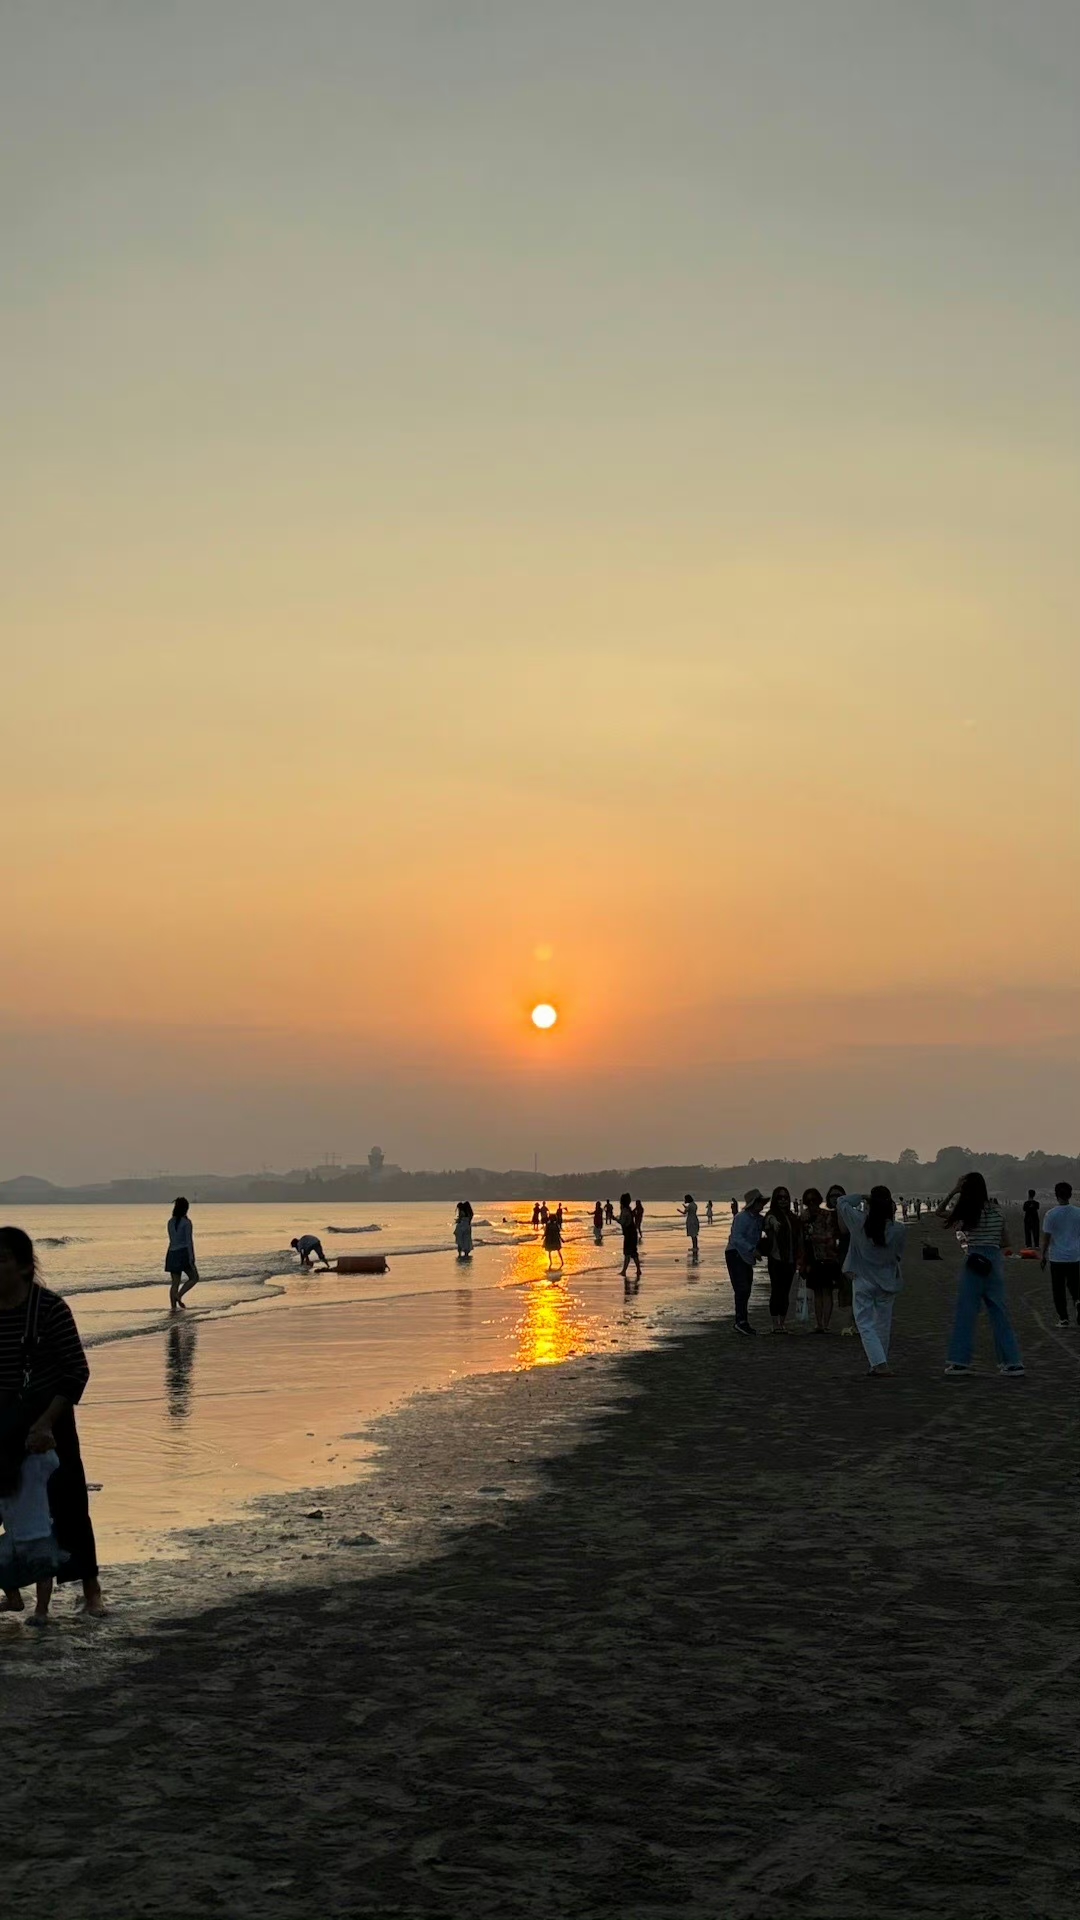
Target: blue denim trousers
x=978 y=1290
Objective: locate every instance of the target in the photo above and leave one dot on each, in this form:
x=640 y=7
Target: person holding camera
x=980 y=1224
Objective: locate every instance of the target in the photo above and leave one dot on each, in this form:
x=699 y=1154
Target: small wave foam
x=62 y=1240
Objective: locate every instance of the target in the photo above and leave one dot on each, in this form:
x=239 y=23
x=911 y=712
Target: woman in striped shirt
x=980 y=1223
x=43 y=1374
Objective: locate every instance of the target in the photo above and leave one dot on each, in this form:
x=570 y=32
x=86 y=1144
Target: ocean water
x=265 y=1384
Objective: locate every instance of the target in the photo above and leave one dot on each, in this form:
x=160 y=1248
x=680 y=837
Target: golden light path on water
x=555 y=1323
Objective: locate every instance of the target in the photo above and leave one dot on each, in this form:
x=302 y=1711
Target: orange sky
x=480 y=487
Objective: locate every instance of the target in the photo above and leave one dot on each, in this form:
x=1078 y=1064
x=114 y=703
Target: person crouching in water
x=309 y=1246
x=819 y=1255
x=874 y=1256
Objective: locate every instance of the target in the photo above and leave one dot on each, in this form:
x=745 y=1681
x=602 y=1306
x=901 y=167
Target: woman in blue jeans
x=981 y=1224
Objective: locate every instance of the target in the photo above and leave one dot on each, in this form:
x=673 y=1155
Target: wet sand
x=724 y=1629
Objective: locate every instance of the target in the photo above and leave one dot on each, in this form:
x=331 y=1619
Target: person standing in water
x=180 y=1256
x=463 y=1230
x=693 y=1225
x=708 y=1213
x=1031 y=1219
x=629 y=1225
x=598 y=1221
x=609 y=1214
x=781 y=1247
x=875 y=1251
x=43 y=1375
x=639 y=1218
x=981 y=1225
x=308 y=1245
x=553 y=1237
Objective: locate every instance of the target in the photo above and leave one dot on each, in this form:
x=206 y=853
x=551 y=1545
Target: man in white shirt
x=1061 y=1246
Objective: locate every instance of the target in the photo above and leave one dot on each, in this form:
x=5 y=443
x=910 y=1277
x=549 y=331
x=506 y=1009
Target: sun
x=544 y=1016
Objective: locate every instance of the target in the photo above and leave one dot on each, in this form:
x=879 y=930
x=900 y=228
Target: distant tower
x=375 y=1162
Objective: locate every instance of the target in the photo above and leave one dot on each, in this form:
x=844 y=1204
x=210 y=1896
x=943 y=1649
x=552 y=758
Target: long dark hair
x=625 y=1200
x=970 y=1201
x=774 y=1203
x=20 y=1250
x=180 y=1207
x=881 y=1210
x=811 y=1198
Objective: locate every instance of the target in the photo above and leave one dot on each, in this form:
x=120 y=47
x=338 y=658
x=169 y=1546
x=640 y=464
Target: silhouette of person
x=630 y=1234
x=309 y=1245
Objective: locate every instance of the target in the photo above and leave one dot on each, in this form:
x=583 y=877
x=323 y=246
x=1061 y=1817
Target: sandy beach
x=716 y=1629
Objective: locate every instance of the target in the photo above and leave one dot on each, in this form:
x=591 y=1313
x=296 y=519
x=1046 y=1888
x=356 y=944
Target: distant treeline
x=1006 y=1174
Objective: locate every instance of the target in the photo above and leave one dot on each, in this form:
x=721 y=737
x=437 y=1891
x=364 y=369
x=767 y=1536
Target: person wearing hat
x=742 y=1247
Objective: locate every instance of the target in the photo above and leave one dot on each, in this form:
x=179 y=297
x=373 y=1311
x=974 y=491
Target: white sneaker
x=1063 y=1323
x=955 y=1367
x=1011 y=1371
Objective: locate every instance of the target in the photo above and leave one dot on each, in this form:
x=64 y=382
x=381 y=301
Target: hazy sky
x=489 y=478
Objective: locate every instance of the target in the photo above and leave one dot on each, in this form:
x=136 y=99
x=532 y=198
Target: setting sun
x=544 y=1016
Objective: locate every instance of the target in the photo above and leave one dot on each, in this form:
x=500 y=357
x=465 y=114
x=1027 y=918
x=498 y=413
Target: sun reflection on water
x=554 y=1323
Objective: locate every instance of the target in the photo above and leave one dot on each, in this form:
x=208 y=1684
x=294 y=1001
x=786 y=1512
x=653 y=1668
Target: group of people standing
x=850 y=1248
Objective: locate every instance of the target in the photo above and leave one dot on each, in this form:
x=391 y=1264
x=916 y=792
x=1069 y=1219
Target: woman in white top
x=180 y=1258
x=873 y=1261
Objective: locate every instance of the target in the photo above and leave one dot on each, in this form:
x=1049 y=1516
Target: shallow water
x=265 y=1384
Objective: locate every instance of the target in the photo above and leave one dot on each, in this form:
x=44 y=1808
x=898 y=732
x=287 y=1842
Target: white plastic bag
x=802 y=1304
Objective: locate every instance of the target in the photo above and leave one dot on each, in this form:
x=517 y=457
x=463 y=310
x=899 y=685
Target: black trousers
x=1065 y=1280
x=1031 y=1230
x=742 y=1280
x=781 y=1275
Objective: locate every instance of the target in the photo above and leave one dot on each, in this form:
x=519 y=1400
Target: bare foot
x=12 y=1603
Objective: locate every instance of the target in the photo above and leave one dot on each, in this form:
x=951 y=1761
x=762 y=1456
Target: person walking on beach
x=463 y=1230
x=875 y=1250
x=307 y=1246
x=180 y=1256
x=708 y=1213
x=741 y=1252
x=819 y=1255
x=843 y=1244
x=982 y=1230
x=781 y=1250
x=1031 y=1218
x=629 y=1225
x=43 y=1375
x=553 y=1237
x=693 y=1224
x=1061 y=1246
x=734 y=1208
